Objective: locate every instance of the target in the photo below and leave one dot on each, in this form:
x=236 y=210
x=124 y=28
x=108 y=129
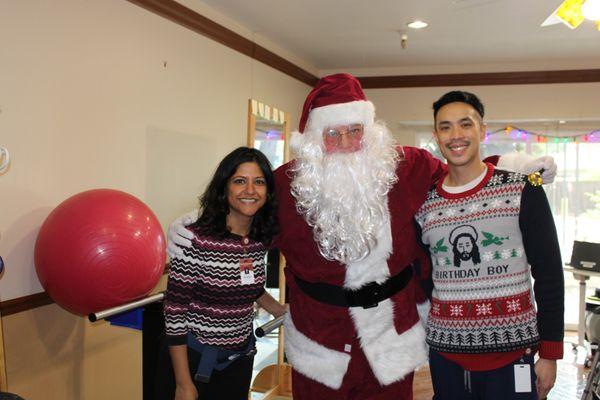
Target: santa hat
x=336 y=100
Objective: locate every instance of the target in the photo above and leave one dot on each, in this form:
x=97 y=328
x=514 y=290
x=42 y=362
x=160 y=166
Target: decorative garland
x=517 y=133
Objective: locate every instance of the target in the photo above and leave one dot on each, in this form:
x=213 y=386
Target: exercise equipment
x=275 y=381
x=270 y=326
x=99 y=249
x=111 y=312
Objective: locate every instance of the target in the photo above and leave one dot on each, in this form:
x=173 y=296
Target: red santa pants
x=358 y=384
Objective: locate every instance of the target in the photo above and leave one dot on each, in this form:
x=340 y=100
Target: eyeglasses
x=333 y=134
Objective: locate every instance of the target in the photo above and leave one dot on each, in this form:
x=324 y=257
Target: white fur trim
x=372 y=268
x=296 y=142
x=354 y=112
x=312 y=359
x=391 y=355
x=423 y=311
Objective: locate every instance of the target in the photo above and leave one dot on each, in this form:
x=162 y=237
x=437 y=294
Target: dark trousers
x=451 y=382
x=233 y=383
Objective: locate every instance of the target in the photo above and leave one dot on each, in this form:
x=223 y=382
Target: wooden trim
x=286 y=138
x=251 y=134
x=481 y=79
x=25 y=303
x=190 y=19
x=3 y=381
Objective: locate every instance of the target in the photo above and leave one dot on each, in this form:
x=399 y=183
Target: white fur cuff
x=355 y=112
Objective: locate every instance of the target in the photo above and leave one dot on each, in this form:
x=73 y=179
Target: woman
x=213 y=287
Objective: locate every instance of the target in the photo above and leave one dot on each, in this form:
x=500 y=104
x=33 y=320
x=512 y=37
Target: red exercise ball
x=99 y=249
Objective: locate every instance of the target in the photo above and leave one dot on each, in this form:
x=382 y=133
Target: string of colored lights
x=522 y=134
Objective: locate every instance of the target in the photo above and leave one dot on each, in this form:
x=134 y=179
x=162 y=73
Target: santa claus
x=346 y=208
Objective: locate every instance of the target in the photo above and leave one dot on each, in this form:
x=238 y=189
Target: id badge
x=522 y=378
x=246 y=271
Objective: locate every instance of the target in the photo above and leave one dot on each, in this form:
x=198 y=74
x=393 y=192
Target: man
x=483 y=327
x=346 y=208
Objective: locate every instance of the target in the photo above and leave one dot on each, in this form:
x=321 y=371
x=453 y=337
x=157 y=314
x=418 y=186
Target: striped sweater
x=481 y=242
x=205 y=294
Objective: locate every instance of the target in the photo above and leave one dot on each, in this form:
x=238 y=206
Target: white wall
x=107 y=94
x=104 y=94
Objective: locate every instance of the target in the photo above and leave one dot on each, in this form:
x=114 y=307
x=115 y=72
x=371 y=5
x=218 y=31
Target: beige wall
x=52 y=354
x=517 y=102
x=98 y=94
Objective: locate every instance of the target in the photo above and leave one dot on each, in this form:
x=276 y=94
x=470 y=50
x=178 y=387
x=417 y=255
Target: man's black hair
x=458 y=96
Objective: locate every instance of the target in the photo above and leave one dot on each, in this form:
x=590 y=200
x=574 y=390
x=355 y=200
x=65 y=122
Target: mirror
x=268 y=131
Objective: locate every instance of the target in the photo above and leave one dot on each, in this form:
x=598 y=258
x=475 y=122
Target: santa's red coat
x=320 y=338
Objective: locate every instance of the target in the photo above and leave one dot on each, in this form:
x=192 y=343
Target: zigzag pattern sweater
x=481 y=242
x=205 y=294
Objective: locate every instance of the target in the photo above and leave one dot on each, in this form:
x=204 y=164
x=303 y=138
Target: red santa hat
x=336 y=100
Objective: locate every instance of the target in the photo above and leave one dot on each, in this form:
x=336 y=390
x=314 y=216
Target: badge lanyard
x=246 y=267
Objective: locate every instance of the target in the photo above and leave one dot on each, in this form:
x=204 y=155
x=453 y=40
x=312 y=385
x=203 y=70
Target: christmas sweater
x=205 y=294
x=481 y=243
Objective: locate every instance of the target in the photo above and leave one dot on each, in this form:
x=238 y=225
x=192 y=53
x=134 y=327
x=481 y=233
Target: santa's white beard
x=343 y=196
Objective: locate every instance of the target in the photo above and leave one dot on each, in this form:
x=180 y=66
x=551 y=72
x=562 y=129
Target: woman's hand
x=186 y=392
x=284 y=309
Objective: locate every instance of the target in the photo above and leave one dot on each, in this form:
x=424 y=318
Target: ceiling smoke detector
x=403 y=40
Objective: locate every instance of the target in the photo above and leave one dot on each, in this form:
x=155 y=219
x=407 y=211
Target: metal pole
x=126 y=307
x=592 y=379
x=269 y=326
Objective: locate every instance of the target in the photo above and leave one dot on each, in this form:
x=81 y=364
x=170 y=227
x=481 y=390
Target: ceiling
x=352 y=34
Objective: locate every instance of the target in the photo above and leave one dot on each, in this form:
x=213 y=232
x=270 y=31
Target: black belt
x=366 y=297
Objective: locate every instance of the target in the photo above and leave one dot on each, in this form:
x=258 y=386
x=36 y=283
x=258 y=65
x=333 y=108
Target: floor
x=570 y=381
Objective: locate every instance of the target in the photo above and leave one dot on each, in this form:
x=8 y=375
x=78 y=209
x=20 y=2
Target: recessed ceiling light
x=562 y=121
x=417 y=24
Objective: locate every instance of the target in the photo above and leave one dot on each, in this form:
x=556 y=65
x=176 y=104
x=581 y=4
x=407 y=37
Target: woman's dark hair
x=215 y=207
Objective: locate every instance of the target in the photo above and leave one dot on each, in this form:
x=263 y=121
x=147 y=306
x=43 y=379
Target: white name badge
x=522 y=378
x=246 y=271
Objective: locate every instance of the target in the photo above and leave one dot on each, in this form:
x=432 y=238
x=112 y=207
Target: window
x=574 y=196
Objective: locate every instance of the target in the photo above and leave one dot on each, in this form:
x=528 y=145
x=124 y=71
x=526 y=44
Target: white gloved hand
x=179 y=236
x=526 y=164
x=545 y=163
